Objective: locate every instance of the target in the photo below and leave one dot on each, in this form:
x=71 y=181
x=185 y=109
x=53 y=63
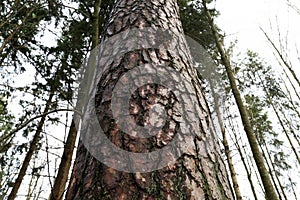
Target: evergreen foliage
x=49 y=40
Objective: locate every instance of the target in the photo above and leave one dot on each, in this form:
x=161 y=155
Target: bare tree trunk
x=231 y=167
x=275 y=174
x=265 y=177
x=226 y=145
x=284 y=128
x=66 y=159
x=271 y=174
x=291 y=101
x=290 y=126
x=248 y=172
x=198 y=173
x=32 y=148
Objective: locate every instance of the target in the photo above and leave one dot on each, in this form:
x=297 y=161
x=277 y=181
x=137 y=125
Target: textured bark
x=199 y=173
x=265 y=177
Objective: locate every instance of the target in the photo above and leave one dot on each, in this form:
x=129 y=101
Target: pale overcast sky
x=241 y=19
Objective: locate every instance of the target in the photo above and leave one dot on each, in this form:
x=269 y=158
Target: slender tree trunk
x=195 y=175
x=231 y=167
x=290 y=81
x=293 y=188
x=31 y=150
x=290 y=126
x=252 y=165
x=285 y=62
x=248 y=172
x=66 y=159
x=226 y=145
x=275 y=174
x=290 y=98
x=280 y=120
x=271 y=174
x=65 y=164
x=265 y=177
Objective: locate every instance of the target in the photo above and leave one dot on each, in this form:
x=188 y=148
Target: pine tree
x=196 y=174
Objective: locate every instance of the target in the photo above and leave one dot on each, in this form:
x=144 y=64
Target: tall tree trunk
x=225 y=143
x=230 y=164
x=281 y=122
x=239 y=148
x=271 y=174
x=274 y=171
x=199 y=173
x=66 y=159
x=32 y=149
x=265 y=177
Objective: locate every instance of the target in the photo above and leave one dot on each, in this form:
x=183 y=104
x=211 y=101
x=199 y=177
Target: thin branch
x=48 y=162
x=281 y=56
x=39 y=116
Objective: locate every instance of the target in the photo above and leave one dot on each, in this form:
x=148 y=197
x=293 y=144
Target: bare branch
x=39 y=116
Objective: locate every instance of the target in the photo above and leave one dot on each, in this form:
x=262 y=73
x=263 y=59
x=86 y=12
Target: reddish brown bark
x=199 y=173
